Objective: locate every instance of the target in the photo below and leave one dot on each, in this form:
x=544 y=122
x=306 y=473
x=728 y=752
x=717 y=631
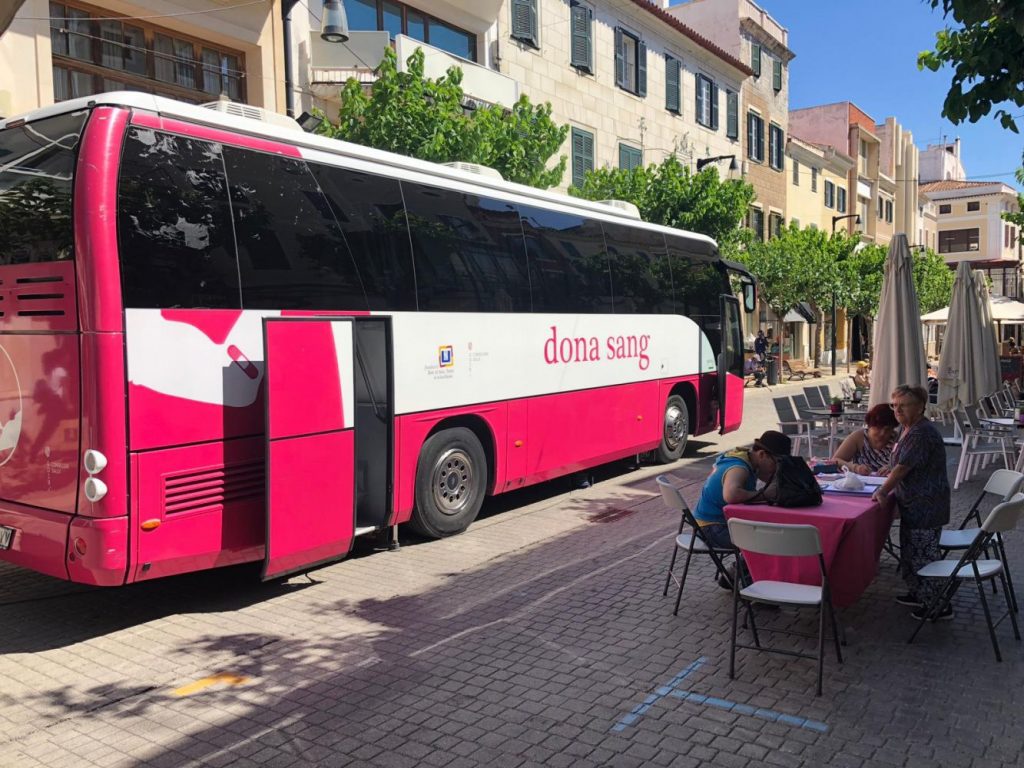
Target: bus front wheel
x=451 y=480
x=675 y=430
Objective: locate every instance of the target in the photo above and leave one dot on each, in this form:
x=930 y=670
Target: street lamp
x=708 y=160
x=334 y=29
x=836 y=220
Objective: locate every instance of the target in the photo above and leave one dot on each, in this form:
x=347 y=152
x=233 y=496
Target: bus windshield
x=37 y=163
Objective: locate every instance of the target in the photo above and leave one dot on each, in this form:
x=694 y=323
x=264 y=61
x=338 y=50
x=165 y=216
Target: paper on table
x=872 y=480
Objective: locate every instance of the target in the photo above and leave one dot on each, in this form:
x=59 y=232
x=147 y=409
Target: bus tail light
x=95 y=489
x=80 y=546
x=94 y=461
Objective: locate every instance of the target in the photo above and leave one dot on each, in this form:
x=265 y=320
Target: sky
x=865 y=51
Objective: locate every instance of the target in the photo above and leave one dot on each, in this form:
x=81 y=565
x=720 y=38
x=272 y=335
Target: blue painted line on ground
x=659 y=693
x=762 y=713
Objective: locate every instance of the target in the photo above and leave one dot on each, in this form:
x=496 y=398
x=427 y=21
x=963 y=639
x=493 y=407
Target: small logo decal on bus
x=446 y=356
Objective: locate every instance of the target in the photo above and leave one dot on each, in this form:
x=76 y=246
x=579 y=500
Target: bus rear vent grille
x=201 y=489
x=38 y=297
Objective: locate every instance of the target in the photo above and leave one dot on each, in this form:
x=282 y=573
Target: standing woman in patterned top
x=868 y=451
x=919 y=482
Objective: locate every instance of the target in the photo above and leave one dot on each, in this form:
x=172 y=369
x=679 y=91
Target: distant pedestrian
x=760 y=345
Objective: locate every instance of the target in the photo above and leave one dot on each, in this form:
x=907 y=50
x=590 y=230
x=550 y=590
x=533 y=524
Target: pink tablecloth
x=852 y=529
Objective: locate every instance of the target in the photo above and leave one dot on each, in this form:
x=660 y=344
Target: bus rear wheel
x=675 y=430
x=451 y=479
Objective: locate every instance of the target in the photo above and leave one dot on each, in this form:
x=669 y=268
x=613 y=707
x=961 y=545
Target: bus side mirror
x=749 y=296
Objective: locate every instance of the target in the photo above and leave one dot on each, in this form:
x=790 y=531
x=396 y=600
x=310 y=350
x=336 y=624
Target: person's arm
x=844 y=455
x=896 y=474
x=732 y=486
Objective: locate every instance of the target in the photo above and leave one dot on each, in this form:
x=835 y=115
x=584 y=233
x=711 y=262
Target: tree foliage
x=986 y=52
x=670 y=194
x=408 y=113
x=933 y=280
x=1017 y=217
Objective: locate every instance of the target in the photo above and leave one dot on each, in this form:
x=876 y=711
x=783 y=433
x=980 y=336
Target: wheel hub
x=675 y=423
x=453 y=479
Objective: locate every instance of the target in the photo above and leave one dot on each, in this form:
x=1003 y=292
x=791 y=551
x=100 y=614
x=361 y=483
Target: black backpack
x=794 y=484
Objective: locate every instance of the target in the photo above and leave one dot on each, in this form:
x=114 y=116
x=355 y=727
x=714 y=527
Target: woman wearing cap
x=918 y=481
x=867 y=451
x=862 y=378
x=734 y=481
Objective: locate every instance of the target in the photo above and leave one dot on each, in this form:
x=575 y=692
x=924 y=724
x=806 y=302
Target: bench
x=794 y=369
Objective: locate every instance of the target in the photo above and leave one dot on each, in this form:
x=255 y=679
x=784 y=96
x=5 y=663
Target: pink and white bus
x=224 y=340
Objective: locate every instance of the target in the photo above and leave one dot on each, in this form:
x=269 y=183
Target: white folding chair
x=692 y=542
x=781 y=540
x=970 y=566
x=979 y=446
x=798 y=430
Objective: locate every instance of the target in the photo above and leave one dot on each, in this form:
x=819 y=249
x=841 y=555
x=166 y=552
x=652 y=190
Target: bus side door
x=310 y=442
x=730 y=367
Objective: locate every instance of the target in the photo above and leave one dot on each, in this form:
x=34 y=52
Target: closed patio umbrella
x=899 y=349
x=969 y=364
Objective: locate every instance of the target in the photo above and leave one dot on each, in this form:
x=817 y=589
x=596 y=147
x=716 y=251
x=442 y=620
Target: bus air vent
x=624 y=207
x=212 y=487
x=477 y=170
x=229 y=107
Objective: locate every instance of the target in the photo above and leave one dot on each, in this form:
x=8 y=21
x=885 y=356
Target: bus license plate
x=6 y=536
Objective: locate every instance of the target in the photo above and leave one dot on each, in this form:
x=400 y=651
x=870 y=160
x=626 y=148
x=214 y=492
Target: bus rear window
x=37 y=165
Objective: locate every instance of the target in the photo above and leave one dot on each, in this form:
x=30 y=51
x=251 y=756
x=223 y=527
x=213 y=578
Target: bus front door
x=310 y=442
x=730 y=367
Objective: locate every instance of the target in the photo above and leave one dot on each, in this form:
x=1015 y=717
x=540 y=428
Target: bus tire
x=451 y=480
x=675 y=430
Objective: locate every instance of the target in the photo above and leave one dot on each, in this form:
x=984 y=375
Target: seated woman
x=868 y=451
x=862 y=378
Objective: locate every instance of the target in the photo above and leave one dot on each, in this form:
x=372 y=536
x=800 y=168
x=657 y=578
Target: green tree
x=408 y=113
x=1018 y=217
x=670 y=194
x=986 y=53
x=933 y=280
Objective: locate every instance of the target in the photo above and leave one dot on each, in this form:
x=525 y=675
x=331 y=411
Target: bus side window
x=641 y=280
x=291 y=251
x=371 y=215
x=568 y=262
x=697 y=284
x=174 y=224
x=469 y=251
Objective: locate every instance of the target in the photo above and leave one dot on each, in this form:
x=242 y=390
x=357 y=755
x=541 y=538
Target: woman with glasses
x=868 y=451
x=919 y=482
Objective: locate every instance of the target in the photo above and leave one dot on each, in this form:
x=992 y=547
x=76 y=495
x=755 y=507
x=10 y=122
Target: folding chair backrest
x=814 y=399
x=670 y=494
x=971 y=414
x=1004 y=483
x=826 y=393
x=1004 y=517
x=775 y=538
x=784 y=409
x=960 y=419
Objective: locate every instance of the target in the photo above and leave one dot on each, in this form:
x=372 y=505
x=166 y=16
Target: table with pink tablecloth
x=853 y=530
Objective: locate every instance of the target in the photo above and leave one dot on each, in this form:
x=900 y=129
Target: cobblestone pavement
x=539 y=637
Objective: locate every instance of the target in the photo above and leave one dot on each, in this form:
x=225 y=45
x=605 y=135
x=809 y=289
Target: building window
x=673 y=84
x=774 y=225
x=581 y=23
x=888 y=211
x=630 y=62
x=814 y=179
x=524 y=22
x=795 y=223
x=830 y=194
x=863 y=156
x=630 y=157
x=1006 y=235
x=755 y=220
x=796 y=172
x=841 y=199
x=973 y=205
x=776 y=75
x=396 y=18
x=755 y=59
x=776 y=146
x=582 y=155
x=707 y=102
x=755 y=137
x=958 y=240
x=732 y=115
x=945 y=208
x=881 y=207
x=93 y=53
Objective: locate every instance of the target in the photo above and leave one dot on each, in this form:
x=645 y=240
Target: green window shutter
x=732 y=117
x=777 y=75
x=629 y=157
x=751 y=136
x=620 y=61
x=672 y=72
x=582 y=52
x=699 y=98
x=755 y=59
x=524 y=21
x=641 y=66
x=714 y=107
x=582 y=155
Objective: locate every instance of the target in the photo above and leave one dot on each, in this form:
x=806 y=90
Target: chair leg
x=671 y=566
x=988 y=620
x=1009 y=604
x=821 y=643
x=732 y=637
x=682 y=581
x=1009 y=577
x=835 y=631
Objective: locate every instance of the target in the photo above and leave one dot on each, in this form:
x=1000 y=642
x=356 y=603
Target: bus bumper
x=38 y=541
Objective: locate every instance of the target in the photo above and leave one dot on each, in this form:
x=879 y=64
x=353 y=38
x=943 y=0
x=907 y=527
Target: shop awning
x=800 y=313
